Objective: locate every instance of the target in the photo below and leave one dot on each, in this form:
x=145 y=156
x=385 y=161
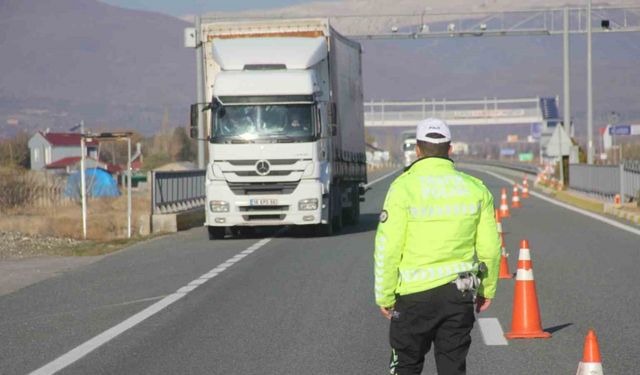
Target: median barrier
x=174 y=222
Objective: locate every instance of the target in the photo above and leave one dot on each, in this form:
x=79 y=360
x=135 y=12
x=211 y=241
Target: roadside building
x=47 y=148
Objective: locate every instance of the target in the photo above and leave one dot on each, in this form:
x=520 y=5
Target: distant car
x=409 y=151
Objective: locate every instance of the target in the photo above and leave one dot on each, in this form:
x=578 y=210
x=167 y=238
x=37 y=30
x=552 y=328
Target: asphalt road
x=305 y=305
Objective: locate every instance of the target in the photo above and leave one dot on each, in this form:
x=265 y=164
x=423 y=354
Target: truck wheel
x=325 y=230
x=355 y=208
x=337 y=213
x=351 y=215
x=216 y=233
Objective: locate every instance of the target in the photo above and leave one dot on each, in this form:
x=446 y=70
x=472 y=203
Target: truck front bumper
x=263 y=210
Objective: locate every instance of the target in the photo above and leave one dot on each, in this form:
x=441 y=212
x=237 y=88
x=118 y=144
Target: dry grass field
x=106 y=219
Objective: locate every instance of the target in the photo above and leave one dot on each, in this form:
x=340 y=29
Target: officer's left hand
x=387 y=312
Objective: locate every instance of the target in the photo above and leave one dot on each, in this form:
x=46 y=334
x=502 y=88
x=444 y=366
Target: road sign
x=559 y=144
x=536 y=130
x=620 y=130
x=525 y=156
x=507 y=152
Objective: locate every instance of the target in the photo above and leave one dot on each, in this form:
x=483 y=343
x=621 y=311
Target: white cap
x=433 y=125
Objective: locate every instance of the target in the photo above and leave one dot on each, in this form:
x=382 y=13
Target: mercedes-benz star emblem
x=263 y=167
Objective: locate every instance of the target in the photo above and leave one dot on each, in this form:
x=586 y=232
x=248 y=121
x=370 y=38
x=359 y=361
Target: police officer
x=435 y=223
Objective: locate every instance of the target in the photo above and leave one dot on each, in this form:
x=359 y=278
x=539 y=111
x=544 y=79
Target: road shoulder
x=20 y=273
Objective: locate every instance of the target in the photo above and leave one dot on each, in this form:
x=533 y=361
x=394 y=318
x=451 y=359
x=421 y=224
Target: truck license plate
x=263 y=202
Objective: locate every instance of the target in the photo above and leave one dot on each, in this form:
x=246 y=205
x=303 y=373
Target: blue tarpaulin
x=99 y=184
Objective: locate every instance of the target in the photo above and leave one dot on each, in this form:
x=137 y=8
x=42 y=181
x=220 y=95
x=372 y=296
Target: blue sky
x=182 y=7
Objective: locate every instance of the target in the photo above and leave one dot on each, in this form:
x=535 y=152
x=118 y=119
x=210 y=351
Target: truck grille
x=262 y=188
x=254 y=173
x=263 y=217
x=271 y=161
x=263 y=208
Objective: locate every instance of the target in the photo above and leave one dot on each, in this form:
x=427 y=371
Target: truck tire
x=216 y=233
x=337 y=212
x=326 y=230
x=355 y=207
x=323 y=230
x=351 y=215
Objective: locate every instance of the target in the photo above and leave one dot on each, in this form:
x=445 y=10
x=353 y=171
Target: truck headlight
x=310 y=204
x=219 y=206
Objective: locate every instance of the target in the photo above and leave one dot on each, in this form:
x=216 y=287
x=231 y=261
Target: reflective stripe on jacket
x=434 y=220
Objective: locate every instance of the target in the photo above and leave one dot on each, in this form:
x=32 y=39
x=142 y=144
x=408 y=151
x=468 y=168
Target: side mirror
x=333 y=115
x=193 y=125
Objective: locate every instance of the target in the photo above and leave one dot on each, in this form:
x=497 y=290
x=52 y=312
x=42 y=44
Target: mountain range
x=66 y=60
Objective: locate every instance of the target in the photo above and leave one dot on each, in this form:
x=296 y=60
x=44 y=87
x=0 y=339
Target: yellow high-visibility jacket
x=434 y=220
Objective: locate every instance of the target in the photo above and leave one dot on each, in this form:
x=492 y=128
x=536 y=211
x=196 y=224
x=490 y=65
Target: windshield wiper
x=231 y=139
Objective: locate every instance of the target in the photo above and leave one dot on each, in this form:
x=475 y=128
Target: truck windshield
x=264 y=123
x=408 y=146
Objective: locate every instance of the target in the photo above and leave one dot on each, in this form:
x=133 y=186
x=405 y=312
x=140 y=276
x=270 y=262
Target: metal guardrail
x=630 y=180
x=522 y=167
x=600 y=180
x=177 y=191
x=595 y=179
x=607 y=180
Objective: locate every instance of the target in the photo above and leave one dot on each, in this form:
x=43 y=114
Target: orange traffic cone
x=525 y=321
x=504 y=265
x=525 y=188
x=591 y=363
x=504 y=207
x=498 y=221
x=515 y=200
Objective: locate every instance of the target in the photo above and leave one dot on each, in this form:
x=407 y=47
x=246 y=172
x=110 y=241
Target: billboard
x=536 y=130
x=507 y=152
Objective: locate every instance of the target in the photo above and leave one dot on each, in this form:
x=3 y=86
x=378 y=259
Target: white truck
x=285 y=128
x=409 y=147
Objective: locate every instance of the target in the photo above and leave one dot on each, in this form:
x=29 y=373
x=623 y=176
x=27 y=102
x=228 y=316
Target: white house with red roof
x=57 y=151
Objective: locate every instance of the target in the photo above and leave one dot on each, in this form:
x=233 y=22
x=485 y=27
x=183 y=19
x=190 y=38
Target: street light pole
x=589 y=89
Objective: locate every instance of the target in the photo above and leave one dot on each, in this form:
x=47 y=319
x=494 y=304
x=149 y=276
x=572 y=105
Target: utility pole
x=129 y=186
x=566 y=83
x=83 y=189
x=200 y=92
x=589 y=88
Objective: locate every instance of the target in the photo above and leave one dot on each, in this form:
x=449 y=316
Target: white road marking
x=92 y=344
x=590 y=214
x=380 y=179
x=492 y=333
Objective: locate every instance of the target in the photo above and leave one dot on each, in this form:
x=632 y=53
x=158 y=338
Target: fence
x=521 y=167
x=31 y=190
x=607 y=180
x=177 y=191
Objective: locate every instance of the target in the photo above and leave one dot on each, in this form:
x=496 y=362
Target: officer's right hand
x=387 y=312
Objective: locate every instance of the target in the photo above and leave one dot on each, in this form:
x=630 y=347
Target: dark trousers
x=442 y=316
